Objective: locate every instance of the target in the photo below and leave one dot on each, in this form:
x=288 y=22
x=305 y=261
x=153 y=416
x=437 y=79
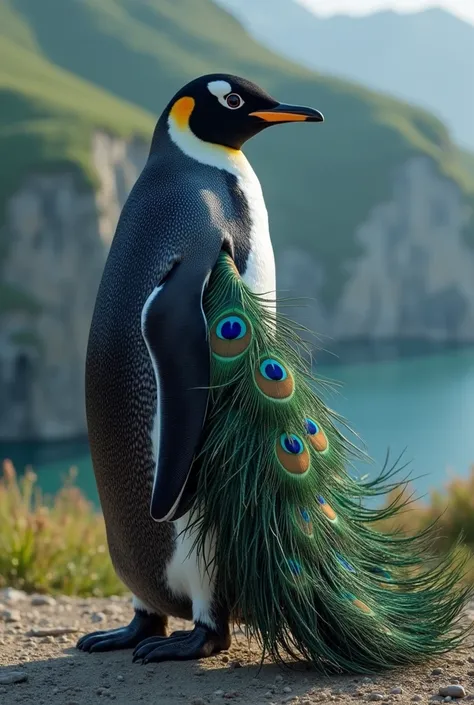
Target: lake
x=424 y=404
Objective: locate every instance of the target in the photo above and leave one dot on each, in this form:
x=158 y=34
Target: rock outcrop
x=57 y=235
x=415 y=278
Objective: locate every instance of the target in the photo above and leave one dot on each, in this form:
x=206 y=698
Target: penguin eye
x=234 y=101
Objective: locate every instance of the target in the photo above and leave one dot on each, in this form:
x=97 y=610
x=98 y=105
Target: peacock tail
x=297 y=553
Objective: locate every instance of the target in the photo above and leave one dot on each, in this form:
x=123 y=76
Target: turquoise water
x=423 y=404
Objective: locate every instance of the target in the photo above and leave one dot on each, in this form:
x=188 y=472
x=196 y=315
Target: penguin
x=148 y=367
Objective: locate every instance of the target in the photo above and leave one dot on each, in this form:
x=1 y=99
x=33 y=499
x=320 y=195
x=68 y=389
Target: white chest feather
x=188 y=576
x=260 y=272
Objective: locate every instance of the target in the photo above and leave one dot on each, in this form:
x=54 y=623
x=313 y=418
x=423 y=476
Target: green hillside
x=319 y=181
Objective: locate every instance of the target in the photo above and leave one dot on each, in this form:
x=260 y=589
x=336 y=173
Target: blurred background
x=372 y=214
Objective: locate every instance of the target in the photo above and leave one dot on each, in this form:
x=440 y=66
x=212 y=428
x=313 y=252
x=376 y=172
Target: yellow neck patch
x=181 y=112
x=184 y=137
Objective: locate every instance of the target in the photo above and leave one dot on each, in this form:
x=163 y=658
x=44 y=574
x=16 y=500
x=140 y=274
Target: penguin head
x=227 y=110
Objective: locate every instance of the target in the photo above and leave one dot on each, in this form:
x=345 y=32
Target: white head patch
x=219 y=89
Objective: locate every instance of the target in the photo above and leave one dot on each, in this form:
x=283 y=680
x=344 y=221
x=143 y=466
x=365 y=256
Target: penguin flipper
x=175 y=332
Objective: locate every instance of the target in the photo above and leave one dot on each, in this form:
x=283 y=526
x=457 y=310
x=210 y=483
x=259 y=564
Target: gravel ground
x=40 y=666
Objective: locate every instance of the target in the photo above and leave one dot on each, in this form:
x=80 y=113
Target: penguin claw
x=143 y=625
x=182 y=646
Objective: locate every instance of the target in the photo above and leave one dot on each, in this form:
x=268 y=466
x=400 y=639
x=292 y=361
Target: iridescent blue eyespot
x=311 y=427
x=305 y=515
x=321 y=499
x=291 y=443
x=295 y=567
x=273 y=370
x=345 y=564
x=231 y=328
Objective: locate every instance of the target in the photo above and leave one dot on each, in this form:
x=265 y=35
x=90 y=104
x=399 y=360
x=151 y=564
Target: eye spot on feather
x=230 y=336
x=292 y=454
x=295 y=567
x=304 y=521
x=345 y=564
x=316 y=435
x=358 y=603
x=326 y=509
x=274 y=380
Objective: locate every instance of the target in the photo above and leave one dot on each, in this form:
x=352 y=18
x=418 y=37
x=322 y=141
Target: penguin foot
x=143 y=625
x=183 y=646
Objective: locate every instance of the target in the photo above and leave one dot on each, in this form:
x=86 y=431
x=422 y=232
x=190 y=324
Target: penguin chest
x=259 y=269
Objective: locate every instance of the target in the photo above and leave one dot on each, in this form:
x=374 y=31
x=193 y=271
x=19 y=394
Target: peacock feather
x=297 y=554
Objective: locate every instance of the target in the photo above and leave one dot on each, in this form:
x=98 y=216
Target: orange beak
x=289 y=113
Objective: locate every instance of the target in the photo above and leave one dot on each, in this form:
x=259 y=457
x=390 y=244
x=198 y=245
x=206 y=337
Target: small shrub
x=52 y=545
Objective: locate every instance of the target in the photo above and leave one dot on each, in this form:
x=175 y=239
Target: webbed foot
x=142 y=626
x=183 y=646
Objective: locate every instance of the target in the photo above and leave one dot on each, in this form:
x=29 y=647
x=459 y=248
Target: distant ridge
x=435 y=69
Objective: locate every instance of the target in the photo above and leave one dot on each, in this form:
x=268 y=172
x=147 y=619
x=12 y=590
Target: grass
x=58 y=545
x=52 y=545
x=320 y=182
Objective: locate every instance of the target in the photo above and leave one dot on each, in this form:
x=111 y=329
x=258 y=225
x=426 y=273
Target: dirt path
x=52 y=672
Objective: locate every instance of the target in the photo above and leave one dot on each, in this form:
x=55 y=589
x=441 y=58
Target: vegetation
x=326 y=178
x=52 y=545
x=58 y=545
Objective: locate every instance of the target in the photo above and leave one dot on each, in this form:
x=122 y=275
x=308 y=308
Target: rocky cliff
x=414 y=279
x=57 y=236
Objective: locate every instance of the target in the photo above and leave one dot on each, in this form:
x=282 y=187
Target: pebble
x=120 y=677
x=470 y=673
x=436 y=671
x=225 y=659
x=417 y=698
x=452 y=691
x=375 y=696
x=52 y=631
x=10 y=616
x=287 y=689
x=268 y=694
x=12 y=596
x=290 y=699
x=218 y=693
x=231 y=694
x=40 y=600
x=197 y=701
x=235 y=664
x=397 y=691
x=97 y=617
x=13 y=677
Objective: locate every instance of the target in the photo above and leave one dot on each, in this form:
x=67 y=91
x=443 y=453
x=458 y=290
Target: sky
x=462 y=8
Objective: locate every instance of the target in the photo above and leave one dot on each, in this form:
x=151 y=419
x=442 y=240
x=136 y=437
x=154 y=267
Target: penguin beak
x=289 y=113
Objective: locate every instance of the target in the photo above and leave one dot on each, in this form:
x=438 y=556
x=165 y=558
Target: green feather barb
x=296 y=552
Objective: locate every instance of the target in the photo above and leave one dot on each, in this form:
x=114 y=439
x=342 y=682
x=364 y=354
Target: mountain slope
x=425 y=57
x=320 y=182
x=47 y=113
x=47 y=118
